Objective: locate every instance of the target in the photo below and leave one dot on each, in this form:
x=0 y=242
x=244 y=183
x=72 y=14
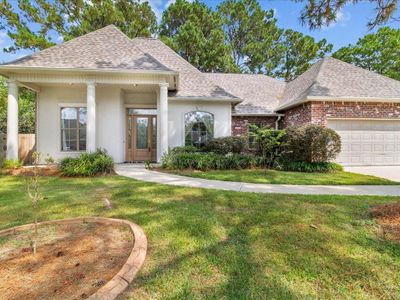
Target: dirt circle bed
x=81 y=258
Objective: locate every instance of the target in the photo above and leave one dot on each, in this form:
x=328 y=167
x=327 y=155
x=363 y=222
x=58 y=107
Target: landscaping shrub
x=270 y=144
x=228 y=144
x=208 y=161
x=317 y=167
x=9 y=164
x=88 y=164
x=311 y=143
x=185 y=149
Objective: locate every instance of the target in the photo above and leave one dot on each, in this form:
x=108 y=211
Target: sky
x=350 y=26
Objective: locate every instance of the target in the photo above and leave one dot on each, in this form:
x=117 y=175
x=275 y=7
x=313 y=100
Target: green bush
x=185 y=149
x=208 y=161
x=9 y=164
x=87 y=164
x=270 y=144
x=311 y=143
x=319 y=167
x=228 y=144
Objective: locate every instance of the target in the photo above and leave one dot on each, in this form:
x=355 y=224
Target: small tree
x=270 y=143
x=35 y=196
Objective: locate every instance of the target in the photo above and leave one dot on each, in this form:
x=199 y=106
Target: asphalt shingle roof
x=109 y=49
x=192 y=82
x=334 y=78
x=260 y=93
x=106 y=48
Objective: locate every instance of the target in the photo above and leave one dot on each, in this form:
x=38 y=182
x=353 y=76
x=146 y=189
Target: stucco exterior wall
x=109 y=120
x=319 y=112
x=178 y=109
x=240 y=124
x=111 y=104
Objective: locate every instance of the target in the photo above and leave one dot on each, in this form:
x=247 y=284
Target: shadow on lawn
x=215 y=244
x=208 y=245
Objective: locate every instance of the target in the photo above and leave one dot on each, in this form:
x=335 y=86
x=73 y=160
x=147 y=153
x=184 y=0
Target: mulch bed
x=72 y=261
x=29 y=171
x=388 y=217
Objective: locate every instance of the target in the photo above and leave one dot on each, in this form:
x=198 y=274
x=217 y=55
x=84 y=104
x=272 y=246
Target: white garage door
x=368 y=142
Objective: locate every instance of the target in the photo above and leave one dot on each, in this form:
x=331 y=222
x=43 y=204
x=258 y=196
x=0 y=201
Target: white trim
x=188 y=98
x=354 y=99
x=135 y=105
x=69 y=104
x=339 y=99
x=86 y=70
x=363 y=119
x=259 y=115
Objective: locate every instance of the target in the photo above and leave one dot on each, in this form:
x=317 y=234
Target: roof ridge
x=189 y=64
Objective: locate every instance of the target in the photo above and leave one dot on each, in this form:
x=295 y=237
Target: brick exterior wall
x=240 y=124
x=297 y=115
x=320 y=112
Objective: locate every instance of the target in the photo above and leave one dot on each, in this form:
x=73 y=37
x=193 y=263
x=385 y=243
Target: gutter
x=77 y=70
x=339 y=99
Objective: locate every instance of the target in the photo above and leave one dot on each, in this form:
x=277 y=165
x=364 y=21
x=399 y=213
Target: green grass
x=208 y=244
x=282 y=177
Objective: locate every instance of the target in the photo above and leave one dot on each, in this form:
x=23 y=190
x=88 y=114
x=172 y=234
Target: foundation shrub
x=227 y=144
x=88 y=164
x=311 y=144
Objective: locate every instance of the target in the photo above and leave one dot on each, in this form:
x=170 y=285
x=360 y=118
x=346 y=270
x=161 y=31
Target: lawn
x=282 y=177
x=208 y=244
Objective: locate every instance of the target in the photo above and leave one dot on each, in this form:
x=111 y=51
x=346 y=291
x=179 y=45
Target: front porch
x=125 y=114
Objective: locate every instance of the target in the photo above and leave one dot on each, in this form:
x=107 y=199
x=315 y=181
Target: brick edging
x=128 y=271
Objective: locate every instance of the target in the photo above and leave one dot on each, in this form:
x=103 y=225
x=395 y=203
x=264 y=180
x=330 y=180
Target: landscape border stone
x=129 y=270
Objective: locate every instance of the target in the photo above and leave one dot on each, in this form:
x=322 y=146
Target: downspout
x=277 y=122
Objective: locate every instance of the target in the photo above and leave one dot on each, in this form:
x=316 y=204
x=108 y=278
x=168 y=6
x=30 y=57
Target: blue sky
x=350 y=26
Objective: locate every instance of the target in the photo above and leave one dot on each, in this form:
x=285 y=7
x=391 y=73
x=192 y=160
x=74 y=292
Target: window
x=251 y=138
x=199 y=128
x=142 y=111
x=73 y=129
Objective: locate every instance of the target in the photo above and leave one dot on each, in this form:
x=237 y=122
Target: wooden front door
x=141 y=138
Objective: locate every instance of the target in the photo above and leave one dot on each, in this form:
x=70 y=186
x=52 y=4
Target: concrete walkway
x=137 y=171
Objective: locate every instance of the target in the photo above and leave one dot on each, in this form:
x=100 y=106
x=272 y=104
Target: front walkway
x=137 y=171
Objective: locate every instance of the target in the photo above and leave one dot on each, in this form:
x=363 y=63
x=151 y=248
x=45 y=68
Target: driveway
x=388 y=172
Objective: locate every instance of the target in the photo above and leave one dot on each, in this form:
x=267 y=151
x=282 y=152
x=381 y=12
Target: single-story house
x=137 y=98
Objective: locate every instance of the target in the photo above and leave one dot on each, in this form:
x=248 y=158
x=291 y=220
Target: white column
x=12 y=120
x=91 y=117
x=164 y=118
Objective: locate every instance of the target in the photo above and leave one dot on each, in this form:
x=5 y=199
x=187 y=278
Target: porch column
x=91 y=117
x=12 y=120
x=164 y=117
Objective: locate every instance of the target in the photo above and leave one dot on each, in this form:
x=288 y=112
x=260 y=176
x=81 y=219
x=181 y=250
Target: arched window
x=199 y=128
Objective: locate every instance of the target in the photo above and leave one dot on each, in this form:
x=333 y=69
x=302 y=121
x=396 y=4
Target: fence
x=25 y=149
x=2 y=147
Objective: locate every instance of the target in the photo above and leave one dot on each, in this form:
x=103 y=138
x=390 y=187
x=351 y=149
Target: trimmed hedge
x=227 y=144
x=88 y=164
x=208 y=161
x=320 y=167
x=311 y=143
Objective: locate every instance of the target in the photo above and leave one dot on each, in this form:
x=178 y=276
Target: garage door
x=368 y=142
